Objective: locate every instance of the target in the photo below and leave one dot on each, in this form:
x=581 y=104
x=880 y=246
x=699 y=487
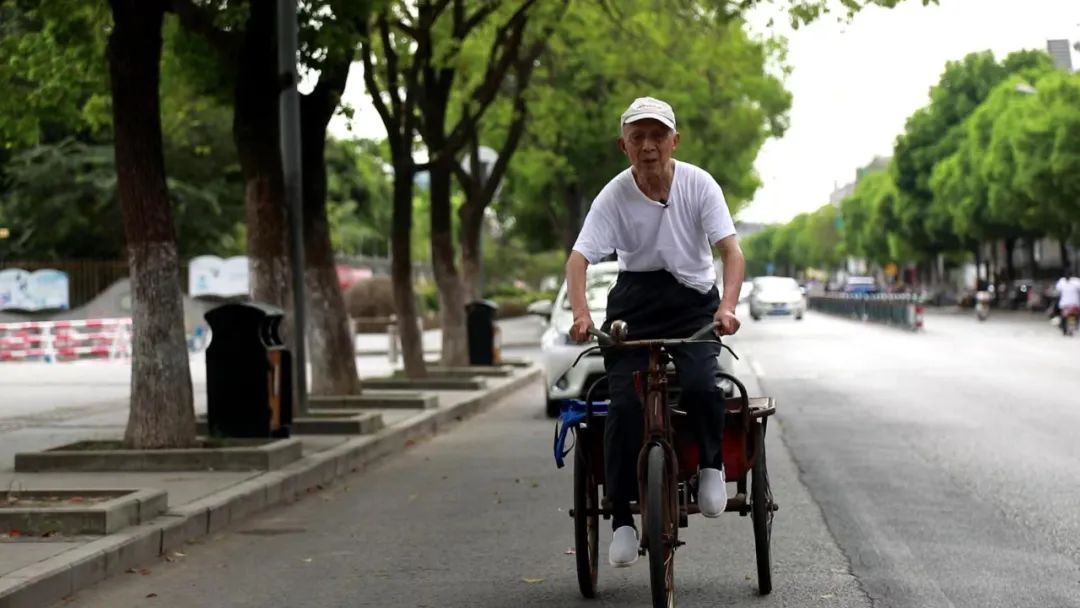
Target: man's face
x=648 y=144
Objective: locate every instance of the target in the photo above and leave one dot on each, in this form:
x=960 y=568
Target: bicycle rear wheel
x=761 y=511
x=586 y=520
x=660 y=534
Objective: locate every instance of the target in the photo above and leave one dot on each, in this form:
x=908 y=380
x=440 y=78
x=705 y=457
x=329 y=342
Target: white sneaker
x=624 y=547
x=712 y=492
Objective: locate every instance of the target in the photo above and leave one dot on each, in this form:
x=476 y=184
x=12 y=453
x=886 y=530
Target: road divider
x=898 y=310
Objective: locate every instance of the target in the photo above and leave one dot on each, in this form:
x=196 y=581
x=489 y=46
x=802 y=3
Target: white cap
x=649 y=107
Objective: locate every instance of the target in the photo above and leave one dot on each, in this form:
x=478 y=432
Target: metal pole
x=290 y=162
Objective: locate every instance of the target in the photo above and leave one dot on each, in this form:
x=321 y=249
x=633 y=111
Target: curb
x=51 y=580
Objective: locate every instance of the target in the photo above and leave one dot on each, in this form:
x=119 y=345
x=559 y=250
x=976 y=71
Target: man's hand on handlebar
x=579 y=331
x=726 y=322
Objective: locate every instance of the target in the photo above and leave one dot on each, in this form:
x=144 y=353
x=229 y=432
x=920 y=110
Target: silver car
x=776 y=296
x=565 y=381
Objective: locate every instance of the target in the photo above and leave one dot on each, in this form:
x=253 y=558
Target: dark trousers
x=655 y=305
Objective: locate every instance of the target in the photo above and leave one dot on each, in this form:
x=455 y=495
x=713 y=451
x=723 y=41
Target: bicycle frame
x=658 y=429
x=658 y=432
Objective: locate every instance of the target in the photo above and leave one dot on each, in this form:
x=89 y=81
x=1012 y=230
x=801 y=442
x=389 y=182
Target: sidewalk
x=36 y=572
x=518 y=331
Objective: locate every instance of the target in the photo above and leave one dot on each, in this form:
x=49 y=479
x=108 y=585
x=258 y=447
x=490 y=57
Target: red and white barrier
x=65 y=340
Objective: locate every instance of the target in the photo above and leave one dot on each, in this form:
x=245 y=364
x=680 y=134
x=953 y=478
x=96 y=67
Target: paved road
x=925 y=470
x=945 y=462
x=477 y=517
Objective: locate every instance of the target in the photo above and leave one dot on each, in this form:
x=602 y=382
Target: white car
x=565 y=381
x=776 y=296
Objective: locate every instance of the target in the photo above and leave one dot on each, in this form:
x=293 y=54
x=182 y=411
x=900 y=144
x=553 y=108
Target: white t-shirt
x=1070 y=292
x=648 y=235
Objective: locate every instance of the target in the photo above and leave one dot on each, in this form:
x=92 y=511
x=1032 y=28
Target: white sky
x=853 y=85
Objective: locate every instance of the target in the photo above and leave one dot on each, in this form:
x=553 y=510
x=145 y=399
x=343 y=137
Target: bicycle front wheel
x=660 y=534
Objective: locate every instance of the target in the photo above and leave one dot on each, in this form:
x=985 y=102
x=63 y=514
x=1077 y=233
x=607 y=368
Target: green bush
x=372 y=297
x=428 y=296
x=514 y=305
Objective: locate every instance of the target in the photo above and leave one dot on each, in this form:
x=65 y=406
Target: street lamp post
x=290 y=160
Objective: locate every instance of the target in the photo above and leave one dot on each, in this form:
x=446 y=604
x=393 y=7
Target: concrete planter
x=326 y=422
x=99 y=512
x=521 y=363
x=227 y=455
x=374 y=400
x=427 y=384
x=467 y=371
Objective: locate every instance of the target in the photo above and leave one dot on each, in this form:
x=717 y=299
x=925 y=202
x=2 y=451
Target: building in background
x=1061 y=53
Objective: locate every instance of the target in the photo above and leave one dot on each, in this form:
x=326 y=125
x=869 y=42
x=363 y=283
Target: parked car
x=558 y=351
x=776 y=296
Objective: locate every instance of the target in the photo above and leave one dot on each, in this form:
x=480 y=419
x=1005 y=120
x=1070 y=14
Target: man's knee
x=700 y=379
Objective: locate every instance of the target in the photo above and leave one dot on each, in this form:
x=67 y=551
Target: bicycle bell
x=618 y=330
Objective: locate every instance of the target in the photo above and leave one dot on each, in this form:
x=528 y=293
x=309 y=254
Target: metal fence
x=898 y=310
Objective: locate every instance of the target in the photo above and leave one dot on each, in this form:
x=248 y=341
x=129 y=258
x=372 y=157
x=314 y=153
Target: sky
x=853 y=85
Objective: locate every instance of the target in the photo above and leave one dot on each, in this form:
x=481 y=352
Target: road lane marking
x=758 y=370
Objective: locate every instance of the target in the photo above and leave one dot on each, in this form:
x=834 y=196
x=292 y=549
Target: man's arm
x=576 y=266
x=734 y=273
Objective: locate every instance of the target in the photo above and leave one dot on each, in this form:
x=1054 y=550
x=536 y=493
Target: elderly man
x=661 y=217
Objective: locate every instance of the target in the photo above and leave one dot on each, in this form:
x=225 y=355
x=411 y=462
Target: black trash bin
x=480 y=327
x=248 y=372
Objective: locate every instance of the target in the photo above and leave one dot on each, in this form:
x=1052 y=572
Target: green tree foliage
x=937 y=131
x=1036 y=143
x=358 y=196
x=757 y=249
x=53 y=73
x=58 y=184
x=707 y=67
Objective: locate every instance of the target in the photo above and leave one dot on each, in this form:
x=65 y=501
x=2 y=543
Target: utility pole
x=290 y=161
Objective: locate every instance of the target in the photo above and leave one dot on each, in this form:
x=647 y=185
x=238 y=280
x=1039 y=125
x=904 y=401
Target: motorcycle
x=982 y=304
x=1070 y=318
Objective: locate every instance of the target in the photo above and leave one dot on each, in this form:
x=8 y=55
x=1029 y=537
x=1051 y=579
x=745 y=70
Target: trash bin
x=481 y=330
x=248 y=372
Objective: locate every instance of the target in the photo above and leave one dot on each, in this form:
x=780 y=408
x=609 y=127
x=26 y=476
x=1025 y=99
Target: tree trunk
x=162 y=413
x=1033 y=266
x=455 y=347
x=412 y=342
x=978 y=264
x=1066 y=266
x=255 y=130
x=332 y=350
x=1010 y=266
x=472 y=261
x=995 y=263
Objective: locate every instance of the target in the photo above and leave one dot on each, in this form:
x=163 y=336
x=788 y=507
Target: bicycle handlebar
x=698 y=336
x=605 y=340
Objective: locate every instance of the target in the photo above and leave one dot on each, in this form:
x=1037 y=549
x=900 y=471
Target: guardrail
x=898 y=310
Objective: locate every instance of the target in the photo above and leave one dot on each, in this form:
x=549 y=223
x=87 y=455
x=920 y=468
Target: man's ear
x=622 y=146
x=675 y=142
